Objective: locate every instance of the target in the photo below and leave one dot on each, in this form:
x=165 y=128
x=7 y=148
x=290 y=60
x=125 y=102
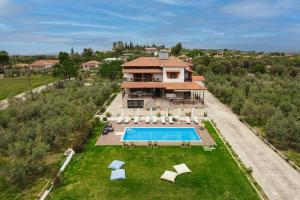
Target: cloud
x=143 y=18
x=257 y=9
x=76 y=24
x=170 y=2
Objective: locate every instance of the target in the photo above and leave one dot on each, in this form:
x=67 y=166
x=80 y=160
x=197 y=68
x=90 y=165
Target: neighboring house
x=146 y=79
x=40 y=65
x=111 y=59
x=21 y=66
x=87 y=66
x=150 y=50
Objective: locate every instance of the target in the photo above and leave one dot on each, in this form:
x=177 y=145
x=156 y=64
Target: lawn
x=12 y=86
x=214 y=175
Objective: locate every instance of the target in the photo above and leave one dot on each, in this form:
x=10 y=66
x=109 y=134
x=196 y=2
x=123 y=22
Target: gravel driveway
x=277 y=178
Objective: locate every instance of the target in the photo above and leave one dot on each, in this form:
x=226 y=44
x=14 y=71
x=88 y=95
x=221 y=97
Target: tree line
x=263 y=92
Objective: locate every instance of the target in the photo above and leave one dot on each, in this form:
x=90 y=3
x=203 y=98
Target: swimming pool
x=162 y=134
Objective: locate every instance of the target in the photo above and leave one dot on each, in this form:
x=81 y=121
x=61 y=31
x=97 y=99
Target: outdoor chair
x=150 y=145
x=155 y=144
x=182 y=144
x=132 y=145
x=188 y=145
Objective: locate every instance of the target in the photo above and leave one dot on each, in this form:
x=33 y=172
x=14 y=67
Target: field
x=12 y=86
x=214 y=174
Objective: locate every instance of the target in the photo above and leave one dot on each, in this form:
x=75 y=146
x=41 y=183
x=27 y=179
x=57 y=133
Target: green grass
x=293 y=156
x=12 y=86
x=214 y=175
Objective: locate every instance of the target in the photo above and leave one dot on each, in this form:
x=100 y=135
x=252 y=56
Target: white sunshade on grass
x=169 y=176
x=181 y=168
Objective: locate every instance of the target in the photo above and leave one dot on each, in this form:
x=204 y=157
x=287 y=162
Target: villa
x=40 y=65
x=92 y=64
x=164 y=78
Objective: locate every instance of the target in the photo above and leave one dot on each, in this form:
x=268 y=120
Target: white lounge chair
x=147 y=119
x=136 y=119
x=120 y=119
x=154 y=119
x=196 y=120
x=126 y=120
x=170 y=120
x=188 y=119
x=163 y=119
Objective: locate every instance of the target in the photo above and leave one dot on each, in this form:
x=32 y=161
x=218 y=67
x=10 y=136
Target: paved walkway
x=277 y=178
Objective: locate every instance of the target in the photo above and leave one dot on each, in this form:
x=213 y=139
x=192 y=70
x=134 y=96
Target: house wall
x=180 y=76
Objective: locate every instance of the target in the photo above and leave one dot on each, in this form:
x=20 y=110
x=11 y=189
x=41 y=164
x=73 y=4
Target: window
x=135 y=103
x=172 y=75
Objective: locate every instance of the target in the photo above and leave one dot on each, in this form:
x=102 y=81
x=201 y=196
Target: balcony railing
x=134 y=95
x=142 y=79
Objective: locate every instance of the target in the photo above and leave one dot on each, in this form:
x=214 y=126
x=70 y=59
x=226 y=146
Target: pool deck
x=114 y=138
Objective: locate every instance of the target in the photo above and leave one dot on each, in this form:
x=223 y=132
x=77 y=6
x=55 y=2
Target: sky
x=49 y=26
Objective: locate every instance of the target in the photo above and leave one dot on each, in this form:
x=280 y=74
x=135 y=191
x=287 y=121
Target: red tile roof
x=91 y=63
x=168 y=86
x=43 y=63
x=157 y=71
x=184 y=86
x=198 y=78
x=156 y=62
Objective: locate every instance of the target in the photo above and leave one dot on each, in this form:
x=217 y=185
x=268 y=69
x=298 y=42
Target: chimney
x=163 y=54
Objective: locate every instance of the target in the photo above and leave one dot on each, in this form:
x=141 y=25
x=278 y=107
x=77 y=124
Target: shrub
x=56 y=180
x=158 y=114
x=104 y=118
x=108 y=114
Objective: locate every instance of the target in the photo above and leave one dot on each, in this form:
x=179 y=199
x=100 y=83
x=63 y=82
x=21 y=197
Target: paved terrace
x=164 y=107
x=115 y=139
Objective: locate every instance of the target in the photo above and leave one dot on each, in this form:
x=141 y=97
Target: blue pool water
x=161 y=134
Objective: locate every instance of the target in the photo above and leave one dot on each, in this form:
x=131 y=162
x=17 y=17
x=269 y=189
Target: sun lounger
x=188 y=119
x=120 y=120
x=147 y=119
x=136 y=119
x=196 y=120
x=126 y=120
x=170 y=120
x=155 y=144
x=163 y=119
x=154 y=119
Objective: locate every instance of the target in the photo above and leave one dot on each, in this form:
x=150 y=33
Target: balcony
x=143 y=79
